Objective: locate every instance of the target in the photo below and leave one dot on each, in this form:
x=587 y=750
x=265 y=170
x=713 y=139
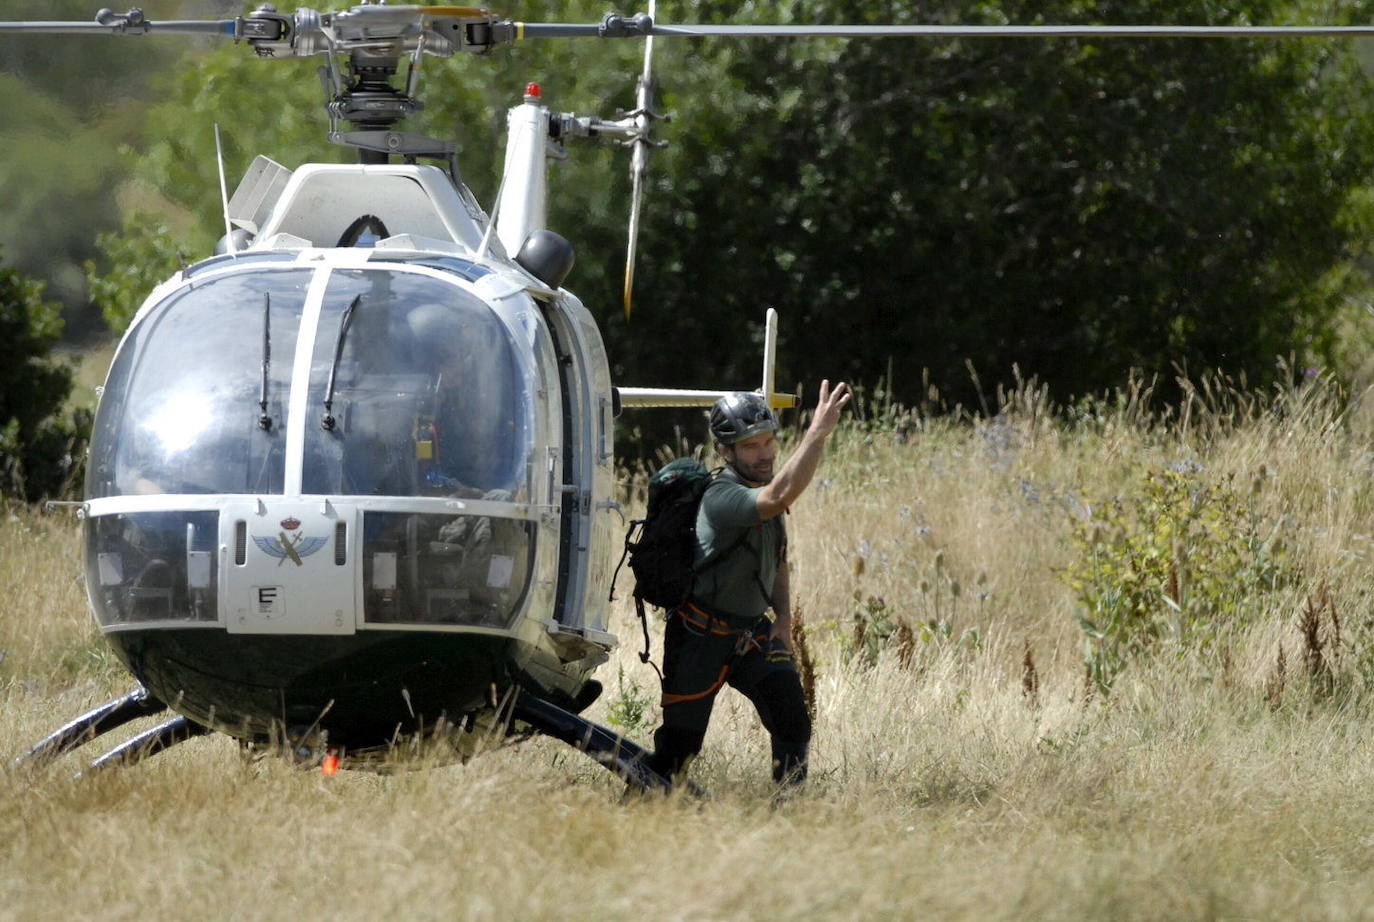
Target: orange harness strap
x=704 y=621
x=711 y=690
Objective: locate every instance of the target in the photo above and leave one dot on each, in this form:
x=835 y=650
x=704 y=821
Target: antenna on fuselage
x=224 y=196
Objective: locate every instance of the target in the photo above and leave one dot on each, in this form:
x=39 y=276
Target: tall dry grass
x=962 y=767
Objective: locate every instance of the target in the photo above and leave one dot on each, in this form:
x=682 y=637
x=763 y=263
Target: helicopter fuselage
x=357 y=475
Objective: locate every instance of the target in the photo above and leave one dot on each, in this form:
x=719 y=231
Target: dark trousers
x=700 y=656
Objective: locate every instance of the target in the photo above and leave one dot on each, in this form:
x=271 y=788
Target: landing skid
x=624 y=757
x=88 y=726
x=612 y=751
x=150 y=743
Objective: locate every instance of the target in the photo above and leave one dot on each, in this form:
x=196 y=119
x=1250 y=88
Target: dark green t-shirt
x=741 y=583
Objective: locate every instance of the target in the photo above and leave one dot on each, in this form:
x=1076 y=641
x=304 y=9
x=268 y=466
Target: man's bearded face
x=753 y=457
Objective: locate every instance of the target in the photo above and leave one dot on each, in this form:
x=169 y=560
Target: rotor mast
x=364 y=97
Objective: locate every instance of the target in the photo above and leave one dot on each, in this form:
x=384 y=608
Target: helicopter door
x=287 y=569
x=587 y=469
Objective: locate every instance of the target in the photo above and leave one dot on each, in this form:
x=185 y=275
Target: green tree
x=70 y=103
x=41 y=449
x=59 y=176
x=139 y=255
x=1073 y=207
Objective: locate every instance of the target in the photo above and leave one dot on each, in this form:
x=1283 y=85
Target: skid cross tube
x=88 y=726
x=612 y=751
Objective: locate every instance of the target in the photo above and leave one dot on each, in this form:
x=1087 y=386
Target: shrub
x=41 y=449
x=631 y=710
x=140 y=254
x=1176 y=564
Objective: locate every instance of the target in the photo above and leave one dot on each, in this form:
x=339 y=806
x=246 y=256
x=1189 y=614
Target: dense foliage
x=40 y=448
x=1071 y=207
x=70 y=103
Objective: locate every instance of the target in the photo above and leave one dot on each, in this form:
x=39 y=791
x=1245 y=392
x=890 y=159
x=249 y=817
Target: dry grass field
x=1218 y=763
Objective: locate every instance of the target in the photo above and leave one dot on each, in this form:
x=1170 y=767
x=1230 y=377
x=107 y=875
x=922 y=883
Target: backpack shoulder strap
x=734 y=545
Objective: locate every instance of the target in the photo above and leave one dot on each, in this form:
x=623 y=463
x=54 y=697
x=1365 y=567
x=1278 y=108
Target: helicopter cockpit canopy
x=430 y=394
x=390 y=390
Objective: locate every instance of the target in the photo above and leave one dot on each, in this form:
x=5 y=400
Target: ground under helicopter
x=351 y=477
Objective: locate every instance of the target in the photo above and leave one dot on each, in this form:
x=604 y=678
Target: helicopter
x=352 y=476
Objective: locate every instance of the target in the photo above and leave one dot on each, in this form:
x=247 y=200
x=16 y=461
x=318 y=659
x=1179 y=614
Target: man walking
x=722 y=635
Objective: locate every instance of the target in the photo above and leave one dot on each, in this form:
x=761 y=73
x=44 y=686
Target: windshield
x=181 y=411
x=430 y=396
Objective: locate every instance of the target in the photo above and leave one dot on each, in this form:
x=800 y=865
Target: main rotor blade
x=637 y=170
x=225 y=27
x=1010 y=31
x=626 y=28
x=639 y=159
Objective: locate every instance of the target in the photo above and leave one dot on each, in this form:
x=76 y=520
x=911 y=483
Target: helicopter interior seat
x=365 y=230
x=135 y=571
x=150 y=592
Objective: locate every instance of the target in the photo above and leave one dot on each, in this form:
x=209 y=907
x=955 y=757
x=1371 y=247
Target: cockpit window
x=463 y=268
x=181 y=411
x=430 y=396
x=228 y=260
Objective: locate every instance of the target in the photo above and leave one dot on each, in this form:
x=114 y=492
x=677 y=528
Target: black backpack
x=661 y=546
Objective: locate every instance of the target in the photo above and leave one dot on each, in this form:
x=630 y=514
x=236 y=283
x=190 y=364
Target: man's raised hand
x=828 y=407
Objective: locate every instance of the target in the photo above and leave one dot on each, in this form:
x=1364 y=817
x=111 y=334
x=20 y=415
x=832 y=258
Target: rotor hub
x=369 y=102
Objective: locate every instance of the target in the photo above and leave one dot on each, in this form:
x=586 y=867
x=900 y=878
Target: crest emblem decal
x=293 y=548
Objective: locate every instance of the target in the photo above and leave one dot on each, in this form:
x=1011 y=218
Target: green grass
x=963 y=768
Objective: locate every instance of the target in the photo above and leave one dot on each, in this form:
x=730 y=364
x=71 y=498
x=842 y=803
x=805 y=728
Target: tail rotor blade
x=635 y=198
x=639 y=160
